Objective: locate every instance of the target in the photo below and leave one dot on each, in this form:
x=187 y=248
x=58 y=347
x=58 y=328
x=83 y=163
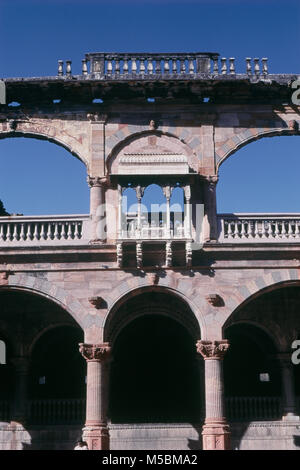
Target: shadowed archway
x=155 y=372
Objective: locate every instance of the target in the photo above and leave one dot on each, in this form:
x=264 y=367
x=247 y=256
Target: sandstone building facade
x=168 y=328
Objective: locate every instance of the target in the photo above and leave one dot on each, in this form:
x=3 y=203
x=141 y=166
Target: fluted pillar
x=215 y=433
x=288 y=388
x=139 y=195
x=20 y=402
x=187 y=212
x=210 y=223
x=95 y=432
x=97 y=208
x=167 y=193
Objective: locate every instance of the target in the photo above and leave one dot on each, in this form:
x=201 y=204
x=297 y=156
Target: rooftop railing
x=147 y=66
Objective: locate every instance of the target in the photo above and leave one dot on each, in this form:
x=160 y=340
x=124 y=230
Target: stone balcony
x=259 y=228
x=44 y=230
x=48 y=230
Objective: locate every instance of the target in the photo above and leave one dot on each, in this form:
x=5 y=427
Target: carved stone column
x=139 y=194
x=167 y=194
x=20 y=402
x=96 y=431
x=215 y=433
x=97 y=208
x=210 y=223
x=288 y=388
x=187 y=212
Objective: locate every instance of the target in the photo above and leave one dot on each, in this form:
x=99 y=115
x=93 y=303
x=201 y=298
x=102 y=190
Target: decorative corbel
x=97 y=301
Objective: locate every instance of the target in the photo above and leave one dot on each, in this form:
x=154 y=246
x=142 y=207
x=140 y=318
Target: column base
x=216 y=435
x=97 y=437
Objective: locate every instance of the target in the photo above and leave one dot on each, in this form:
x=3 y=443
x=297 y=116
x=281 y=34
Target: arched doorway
x=57 y=377
x=156 y=376
x=252 y=377
x=44 y=373
x=259 y=372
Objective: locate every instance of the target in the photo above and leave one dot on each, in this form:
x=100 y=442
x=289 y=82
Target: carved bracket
x=98 y=302
x=96 y=117
x=153 y=278
x=4 y=275
x=215 y=300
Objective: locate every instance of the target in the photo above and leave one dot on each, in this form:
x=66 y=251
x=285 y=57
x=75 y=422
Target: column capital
x=212 y=349
x=97 y=181
x=4 y=275
x=187 y=191
x=167 y=191
x=95 y=352
x=139 y=192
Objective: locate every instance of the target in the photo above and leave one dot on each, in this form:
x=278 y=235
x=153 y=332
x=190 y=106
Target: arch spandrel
x=49 y=290
x=270 y=280
x=236 y=138
x=66 y=134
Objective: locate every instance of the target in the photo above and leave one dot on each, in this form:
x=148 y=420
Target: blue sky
x=39 y=177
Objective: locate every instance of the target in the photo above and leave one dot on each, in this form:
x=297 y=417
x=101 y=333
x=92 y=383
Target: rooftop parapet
x=151 y=66
x=187 y=76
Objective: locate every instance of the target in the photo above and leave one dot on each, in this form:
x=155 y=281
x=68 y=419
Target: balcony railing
x=72 y=411
x=253 y=228
x=44 y=230
x=154 y=233
x=253 y=408
x=59 y=411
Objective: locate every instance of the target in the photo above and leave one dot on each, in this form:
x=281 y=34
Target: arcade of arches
x=150 y=344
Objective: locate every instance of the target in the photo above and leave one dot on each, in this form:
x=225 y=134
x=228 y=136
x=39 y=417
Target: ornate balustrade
x=59 y=411
x=267 y=228
x=44 y=230
x=145 y=66
x=253 y=408
x=147 y=232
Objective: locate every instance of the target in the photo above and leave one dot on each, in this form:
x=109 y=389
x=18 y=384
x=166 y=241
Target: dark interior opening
x=155 y=373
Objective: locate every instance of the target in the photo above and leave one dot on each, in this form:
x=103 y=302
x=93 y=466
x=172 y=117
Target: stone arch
x=239 y=140
x=49 y=290
x=124 y=292
x=50 y=132
x=268 y=333
x=44 y=331
x=124 y=137
x=268 y=281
